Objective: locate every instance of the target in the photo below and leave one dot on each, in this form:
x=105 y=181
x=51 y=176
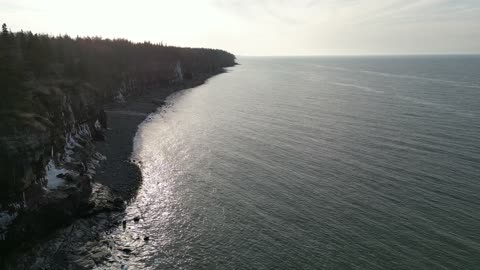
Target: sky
x=264 y=27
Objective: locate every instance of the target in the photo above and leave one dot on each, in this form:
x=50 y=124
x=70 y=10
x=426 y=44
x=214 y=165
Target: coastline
x=118 y=173
x=82 y=244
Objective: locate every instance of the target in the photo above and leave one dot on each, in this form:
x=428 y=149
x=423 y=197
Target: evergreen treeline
x=51 y=84
x=102 y=63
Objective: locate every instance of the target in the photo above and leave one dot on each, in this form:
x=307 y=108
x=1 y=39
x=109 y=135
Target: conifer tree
x=4 y=29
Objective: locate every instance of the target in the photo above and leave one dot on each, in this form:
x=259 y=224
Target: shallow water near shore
x=313 y=163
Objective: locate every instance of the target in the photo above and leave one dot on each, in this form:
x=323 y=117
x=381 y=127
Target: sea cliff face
x=53 y=112
x=48 y=158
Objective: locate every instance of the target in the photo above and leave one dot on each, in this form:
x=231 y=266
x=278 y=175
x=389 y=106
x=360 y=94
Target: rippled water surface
x=314 y=163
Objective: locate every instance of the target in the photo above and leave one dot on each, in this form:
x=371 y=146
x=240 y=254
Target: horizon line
x=364 y=55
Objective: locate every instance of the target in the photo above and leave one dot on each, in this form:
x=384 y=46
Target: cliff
x=54 y=90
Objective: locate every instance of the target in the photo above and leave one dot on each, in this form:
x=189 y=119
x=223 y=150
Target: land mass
x=69 y=112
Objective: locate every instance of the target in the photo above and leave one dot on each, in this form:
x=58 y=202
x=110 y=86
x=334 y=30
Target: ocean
x=313 y=163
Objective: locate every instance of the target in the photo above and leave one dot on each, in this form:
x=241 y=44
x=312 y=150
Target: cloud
x=350 y=11
x=18 y=6
x=264 y=27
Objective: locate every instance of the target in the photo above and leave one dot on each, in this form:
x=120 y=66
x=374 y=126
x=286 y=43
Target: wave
x=385 y=74
x=364 y=88
x=414 y=100
x=453 y=83
x=443 y=107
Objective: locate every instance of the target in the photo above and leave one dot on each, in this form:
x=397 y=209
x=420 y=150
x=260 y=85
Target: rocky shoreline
x=83 y=243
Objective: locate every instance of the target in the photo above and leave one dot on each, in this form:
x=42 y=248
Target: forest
x=51 y=85
x=27 y=58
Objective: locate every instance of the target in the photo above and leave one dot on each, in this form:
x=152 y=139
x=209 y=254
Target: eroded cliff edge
x=54 y=91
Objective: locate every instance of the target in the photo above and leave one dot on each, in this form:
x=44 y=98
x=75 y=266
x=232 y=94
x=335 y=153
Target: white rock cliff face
x=178 y=72
x=46 y=160
x=51 y=175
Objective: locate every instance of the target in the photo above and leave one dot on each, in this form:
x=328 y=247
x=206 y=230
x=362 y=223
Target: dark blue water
x=314 y=163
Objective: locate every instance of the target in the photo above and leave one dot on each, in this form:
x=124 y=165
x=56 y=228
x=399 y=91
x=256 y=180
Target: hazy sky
x=264 y=27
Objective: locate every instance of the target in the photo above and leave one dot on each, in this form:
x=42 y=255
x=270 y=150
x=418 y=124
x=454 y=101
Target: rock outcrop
x=47 y=161
x=54 y=91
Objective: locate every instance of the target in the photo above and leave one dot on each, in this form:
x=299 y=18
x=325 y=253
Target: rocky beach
x=83 y=242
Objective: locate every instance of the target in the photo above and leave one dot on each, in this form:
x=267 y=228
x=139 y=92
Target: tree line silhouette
x=27 y=59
